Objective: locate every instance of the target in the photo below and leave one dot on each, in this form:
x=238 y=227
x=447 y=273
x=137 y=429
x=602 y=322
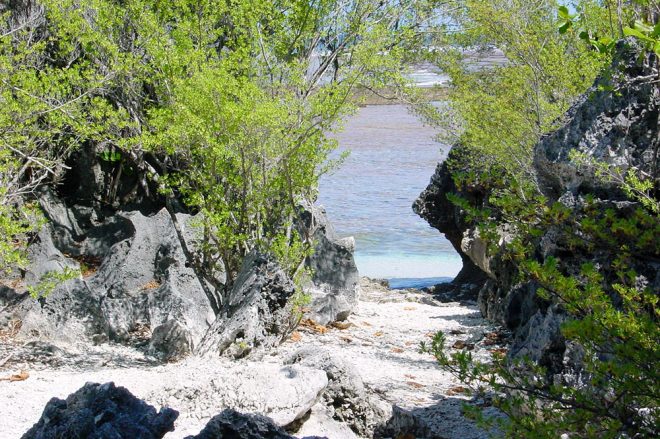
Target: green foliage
x=246 y=128
x=646 y=34
x=17 y=224
x=498 y=113
x=612 y=319
x=603 y=40
x=639 y=187
x=51 y=280
x=302 y=297
x=225 y=106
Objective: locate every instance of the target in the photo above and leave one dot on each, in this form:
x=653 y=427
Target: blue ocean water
x=400 y=284
x=393 y=156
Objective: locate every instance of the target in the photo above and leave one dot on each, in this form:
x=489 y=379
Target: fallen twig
x=21 y=376
x=7 y=358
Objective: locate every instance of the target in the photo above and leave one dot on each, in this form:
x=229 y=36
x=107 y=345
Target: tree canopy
x=222 y=105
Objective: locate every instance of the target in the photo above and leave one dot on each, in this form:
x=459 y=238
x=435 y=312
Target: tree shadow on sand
x=445 y=419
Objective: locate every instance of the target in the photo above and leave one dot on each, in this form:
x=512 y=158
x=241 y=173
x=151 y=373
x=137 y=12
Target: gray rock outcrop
x=136 y=276
x=170 y=341
x=335 y=277
x=258 y=313
x=615 y=128
x=345 y=397
x=142 y=279
x=102 y=411
x=442 y=214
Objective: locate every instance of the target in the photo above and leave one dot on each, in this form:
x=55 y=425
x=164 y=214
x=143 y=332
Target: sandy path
x=382 y=342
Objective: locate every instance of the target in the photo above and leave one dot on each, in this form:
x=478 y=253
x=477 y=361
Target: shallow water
x=393 y=156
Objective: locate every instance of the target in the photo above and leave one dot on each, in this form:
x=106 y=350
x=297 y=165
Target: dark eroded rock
x=102 y=411
x=231 y=424
x=258 y=314
x=619 y=129
x=439 y=212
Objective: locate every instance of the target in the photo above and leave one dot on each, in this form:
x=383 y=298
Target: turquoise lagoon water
x=393 y=156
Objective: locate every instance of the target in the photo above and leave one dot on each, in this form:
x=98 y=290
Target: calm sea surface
x=393 y=156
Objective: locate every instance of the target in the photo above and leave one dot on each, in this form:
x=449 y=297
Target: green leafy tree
x=499 y=112
x=222 y=106
x=612 y=316
x=42 y=115
x=248 y=125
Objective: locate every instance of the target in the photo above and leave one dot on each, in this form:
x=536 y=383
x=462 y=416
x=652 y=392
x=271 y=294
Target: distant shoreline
x=363 y=97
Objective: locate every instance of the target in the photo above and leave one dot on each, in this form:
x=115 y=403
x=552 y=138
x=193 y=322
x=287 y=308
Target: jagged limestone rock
x=335 y=277
x=102 y=411
x=345 y=397
x=616 y=128
x=142 y=280
x=258 y=314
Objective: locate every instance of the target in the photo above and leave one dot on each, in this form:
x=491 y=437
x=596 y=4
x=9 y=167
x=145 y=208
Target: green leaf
x=643 y=27
x=563 y=27
x=630 y=32
x=656 y=31
x=111 y=156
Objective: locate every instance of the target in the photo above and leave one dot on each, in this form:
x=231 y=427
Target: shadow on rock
x=235 y=425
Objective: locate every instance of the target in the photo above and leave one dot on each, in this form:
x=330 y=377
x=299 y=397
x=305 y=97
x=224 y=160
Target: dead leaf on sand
x=460 y=344
x=414 y=384
x=295 y=336
x=341 y=325
x=397 y=350
x=409 y=308
x=151 y=285
x=378 y=334
x=313 y=326
x=492 y=338
x=498 y=351
x=456 y=391
x=10 y=330
x=21 y=376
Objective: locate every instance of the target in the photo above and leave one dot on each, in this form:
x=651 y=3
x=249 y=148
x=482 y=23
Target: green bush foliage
x=612 y=313
x=612 y=322
x=223 y=105
x=499 y=112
